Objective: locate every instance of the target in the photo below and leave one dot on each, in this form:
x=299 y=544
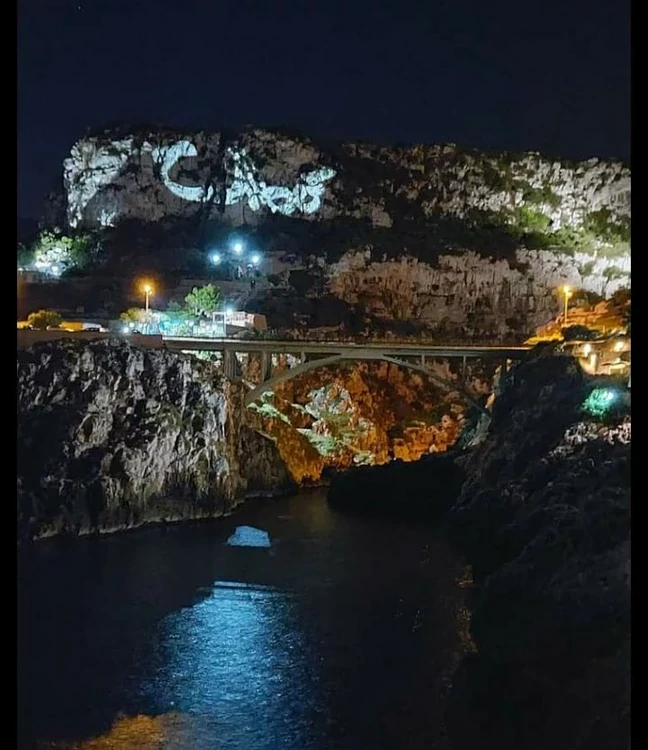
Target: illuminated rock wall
x=367 y=414
x=151 y=175
x=165 y=175
x=470 y=295
x=437 y=234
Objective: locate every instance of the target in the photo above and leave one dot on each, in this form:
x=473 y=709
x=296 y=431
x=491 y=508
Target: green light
x=600 y=401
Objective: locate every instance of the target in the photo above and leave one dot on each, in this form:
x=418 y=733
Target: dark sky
x=552 y=76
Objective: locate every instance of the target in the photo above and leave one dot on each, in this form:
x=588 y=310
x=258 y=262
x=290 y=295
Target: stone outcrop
x=543 y=517
x=421 y=490
x=111 y=436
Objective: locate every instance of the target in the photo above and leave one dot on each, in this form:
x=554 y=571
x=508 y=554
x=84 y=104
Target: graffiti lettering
x=305 y=196
x=168 y=158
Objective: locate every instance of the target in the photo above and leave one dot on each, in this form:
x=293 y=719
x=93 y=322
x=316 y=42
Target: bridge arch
x=268 y=385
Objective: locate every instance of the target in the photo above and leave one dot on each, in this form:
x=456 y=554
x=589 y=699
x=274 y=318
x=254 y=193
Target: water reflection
x=130 y=733
x=239 y=658
x=338 y=637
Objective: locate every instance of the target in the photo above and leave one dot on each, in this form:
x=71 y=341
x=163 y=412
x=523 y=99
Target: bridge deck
x=330 y=348
x=250 y=346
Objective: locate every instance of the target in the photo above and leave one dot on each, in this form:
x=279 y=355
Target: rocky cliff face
x=247 y=176
x=366 y=415
x=111 y=437
x=468 y=295
x=464 y=243
x=544 y=518
x=541 y=511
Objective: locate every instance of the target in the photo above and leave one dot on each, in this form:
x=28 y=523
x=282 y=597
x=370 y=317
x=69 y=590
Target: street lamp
x=256 y=259
x=215 y=258
x=566 y=290
x=238 y=248
x=148 y=291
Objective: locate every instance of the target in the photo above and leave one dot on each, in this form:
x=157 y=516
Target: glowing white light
x=229 y=310
x=238 y=248
x=256 y=259
x=56 y=271
x=587 y=349
x=215 y=258
x=125 y=329
x=618 y=347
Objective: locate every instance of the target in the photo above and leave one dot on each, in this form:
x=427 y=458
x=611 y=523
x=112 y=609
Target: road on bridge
x=351 y=349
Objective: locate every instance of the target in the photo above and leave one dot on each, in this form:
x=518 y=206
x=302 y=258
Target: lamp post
x=148 y=291
x=566 y=290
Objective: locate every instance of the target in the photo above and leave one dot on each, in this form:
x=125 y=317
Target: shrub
x=579 y=333
x=41 y=320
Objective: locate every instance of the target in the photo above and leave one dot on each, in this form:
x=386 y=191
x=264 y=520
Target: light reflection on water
x=340 y=637
x=236 y=655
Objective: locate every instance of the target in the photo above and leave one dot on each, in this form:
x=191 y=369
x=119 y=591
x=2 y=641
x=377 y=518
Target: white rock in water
x=248 y=536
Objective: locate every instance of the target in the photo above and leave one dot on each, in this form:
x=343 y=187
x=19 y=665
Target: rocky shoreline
x=544 y=520
x=111 y=437
x=541 y=512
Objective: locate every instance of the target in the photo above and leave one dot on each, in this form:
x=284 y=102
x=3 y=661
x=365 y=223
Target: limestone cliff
x=541 y=511
x=471 y=296
x=111 y=437
x=148 y=174
x=462 y=243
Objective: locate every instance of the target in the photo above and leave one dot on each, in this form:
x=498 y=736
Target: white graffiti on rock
x=305 y=197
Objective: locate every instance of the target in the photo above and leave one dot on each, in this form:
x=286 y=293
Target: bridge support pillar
x=302 y=358
x=266 y=366
x=464 y=362
x=230 y=364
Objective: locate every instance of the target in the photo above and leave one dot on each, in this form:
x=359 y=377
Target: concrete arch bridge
x=310 y=355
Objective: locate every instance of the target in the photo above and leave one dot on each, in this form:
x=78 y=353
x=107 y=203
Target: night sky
x=550 y=76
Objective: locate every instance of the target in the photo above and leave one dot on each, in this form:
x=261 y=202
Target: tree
x=585 y=298
x=134 y=315
x=44 y=319
x=58 y=253
x=203 y=300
